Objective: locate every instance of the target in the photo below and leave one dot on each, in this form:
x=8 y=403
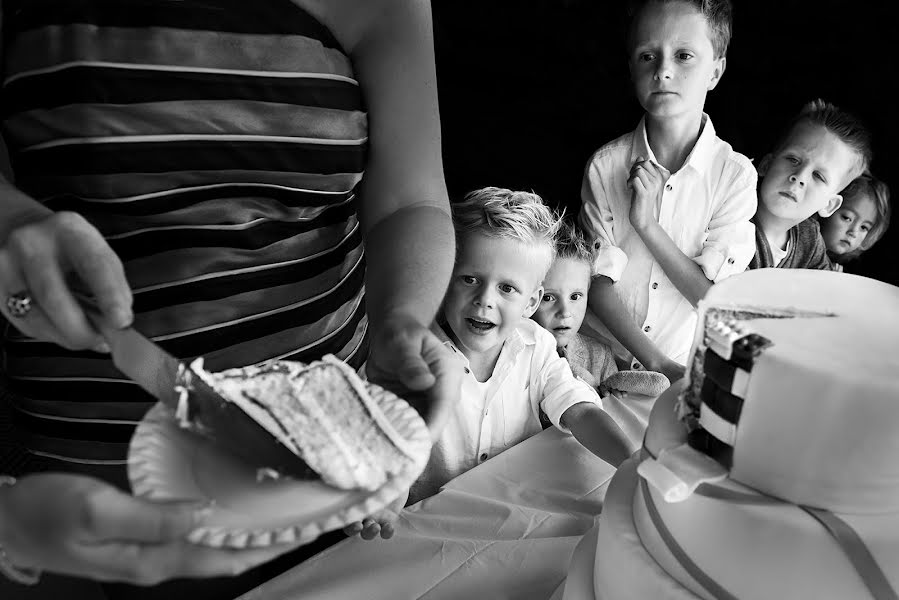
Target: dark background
x=529 y=89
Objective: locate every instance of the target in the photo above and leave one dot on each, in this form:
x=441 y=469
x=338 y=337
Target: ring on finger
x=19 y=304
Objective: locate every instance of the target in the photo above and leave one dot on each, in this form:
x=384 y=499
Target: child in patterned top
x=627 y=395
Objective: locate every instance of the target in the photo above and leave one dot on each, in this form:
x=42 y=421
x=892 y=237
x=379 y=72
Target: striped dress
x=216 y=144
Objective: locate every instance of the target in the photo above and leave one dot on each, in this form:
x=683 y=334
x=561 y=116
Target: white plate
x=166 y=462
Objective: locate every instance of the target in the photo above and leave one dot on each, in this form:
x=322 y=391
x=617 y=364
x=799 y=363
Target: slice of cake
x=330 y=422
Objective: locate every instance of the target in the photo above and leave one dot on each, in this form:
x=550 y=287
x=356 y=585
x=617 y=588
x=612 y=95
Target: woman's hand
x=409 y=360
x=41 y=258
x=381 y=523
x=80 y=526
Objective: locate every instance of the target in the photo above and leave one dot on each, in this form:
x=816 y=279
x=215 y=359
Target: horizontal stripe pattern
x=217 y=146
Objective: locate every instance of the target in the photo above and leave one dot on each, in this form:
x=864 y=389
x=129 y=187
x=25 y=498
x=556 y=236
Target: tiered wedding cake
x=772 y=471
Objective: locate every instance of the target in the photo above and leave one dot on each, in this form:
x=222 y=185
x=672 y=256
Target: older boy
x=668 y=205
x=512 y=369
x=824 y=149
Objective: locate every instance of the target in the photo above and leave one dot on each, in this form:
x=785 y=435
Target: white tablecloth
x=505 y=529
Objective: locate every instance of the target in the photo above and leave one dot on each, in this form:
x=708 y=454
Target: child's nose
x=484 y=297
x=663 y=70
x=797 y=178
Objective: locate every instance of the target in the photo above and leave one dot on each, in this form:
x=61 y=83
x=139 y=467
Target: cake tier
x=623 y=569
x=819 y=412
x=742 y=544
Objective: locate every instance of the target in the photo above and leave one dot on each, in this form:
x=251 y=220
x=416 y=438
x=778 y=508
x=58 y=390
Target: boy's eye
x=820 y=177
x=576 y=296
x=506 y=288
x=866 y=228
x=684 y=55
x=646 y=57
x=468 y=279
x=548 y=298
x=845 y=217
x=792 y=160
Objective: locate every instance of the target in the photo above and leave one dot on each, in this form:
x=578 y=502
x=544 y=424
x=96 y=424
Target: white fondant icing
x=818 y=423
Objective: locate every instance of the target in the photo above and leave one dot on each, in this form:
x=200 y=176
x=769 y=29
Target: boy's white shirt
x=497 y=414
x=705 y=208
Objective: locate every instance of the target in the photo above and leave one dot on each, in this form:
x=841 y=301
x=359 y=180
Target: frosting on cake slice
x=323 y=413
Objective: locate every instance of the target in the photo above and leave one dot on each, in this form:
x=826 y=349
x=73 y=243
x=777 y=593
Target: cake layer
x=624 y=570
x=818 y=419
x=752 y=546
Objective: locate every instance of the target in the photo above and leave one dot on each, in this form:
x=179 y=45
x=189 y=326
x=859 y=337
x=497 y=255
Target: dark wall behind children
x=530 y=88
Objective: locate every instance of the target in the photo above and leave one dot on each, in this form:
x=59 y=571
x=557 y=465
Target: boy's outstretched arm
x=687 y=276
x=598 y=432
x=604 y=302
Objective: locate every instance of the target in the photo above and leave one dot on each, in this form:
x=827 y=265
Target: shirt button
x=467 y=370
x=483 y=456
x=730 y=261
x=668 y=187
x=636 y=365
x=647 y=328
x=655 y=284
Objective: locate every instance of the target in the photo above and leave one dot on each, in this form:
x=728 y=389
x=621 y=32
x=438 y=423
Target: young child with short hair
x=823 y=149
x=668 y=206
x=861 y=220
x=627 y=395
x=505 y=246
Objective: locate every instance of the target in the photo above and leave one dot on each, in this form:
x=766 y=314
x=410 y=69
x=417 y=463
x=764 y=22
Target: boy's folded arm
x=686 y=275
x=604 y=302
x=730 y=244
x=597 y=431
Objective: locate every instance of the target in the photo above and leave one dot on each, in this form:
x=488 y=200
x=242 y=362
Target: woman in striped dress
x=197 y=166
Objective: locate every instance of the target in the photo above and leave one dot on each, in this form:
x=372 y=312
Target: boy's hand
x=381 y=523
x=672 y=370
x=645 y=181
x=409 y=360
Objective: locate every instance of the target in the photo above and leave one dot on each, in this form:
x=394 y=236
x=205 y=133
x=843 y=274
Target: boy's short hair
x=573 y=245
x=868 y=185
x=842 y=124
x=718 y=16
x=501 y=213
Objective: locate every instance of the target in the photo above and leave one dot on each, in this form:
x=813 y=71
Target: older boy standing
x=668 y=205
x=823 y=150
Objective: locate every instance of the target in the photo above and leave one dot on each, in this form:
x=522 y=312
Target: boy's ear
x=533 y=302
x=831 y=207
x=763 y=165
x=718 y=72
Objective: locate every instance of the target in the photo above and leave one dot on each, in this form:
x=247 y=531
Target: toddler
x=861 y=220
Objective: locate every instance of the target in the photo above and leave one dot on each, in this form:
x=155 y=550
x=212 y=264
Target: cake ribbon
x=676 y=473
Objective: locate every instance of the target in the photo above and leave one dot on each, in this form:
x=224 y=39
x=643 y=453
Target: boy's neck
x=483 y=363
x=480 y=363
x=673 y=139
x=776 y=230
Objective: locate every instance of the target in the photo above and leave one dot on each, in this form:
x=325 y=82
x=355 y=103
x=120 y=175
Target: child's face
x=847 y=228
x=564 y=301
x=495 y=285
x=806 y=175
x=672 y=61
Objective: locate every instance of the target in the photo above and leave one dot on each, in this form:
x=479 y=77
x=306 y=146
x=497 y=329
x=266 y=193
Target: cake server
x=195 y=404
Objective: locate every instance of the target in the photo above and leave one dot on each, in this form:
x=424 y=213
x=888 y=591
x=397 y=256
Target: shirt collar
x=700 y=157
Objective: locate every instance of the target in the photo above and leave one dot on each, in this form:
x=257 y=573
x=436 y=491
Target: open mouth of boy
x=479 y=326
